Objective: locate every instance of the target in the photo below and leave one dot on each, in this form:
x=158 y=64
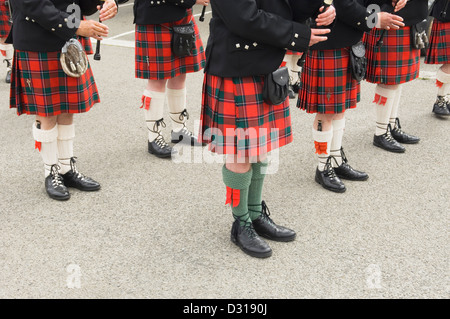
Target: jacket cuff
x=300 y=38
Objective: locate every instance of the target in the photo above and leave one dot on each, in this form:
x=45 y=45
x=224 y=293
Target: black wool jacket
x=439 y=7
x=250 y=37
x=46 y=25
x=160 y=11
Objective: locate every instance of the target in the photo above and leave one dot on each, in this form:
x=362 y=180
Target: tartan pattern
x=396 y=62
x=153 y=54
x=87 y=45
x=327 y=85
x=290 y=52
x=439 y=49
x=5 y=25
x=39 y=86
x=236 y=120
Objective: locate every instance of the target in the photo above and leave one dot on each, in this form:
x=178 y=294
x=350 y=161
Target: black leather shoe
x=401 y=136
x=265 y=227
x=296 y=87
x=442 y=106
x=328 y=178
x=75 y=179
x=345 y=171
x=291 y=92
x=387 y=142
x=185 y=136
x=8 y=77
x=160 y=148
x=248 y=241
x=54 y=185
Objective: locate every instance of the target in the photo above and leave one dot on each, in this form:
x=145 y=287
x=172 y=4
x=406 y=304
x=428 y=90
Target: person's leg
x=70 y=174
x=384 y=100
x=258 y=210
x=340 y=162
x=442 y=105
x=322 y=133
x=153 y=100
x=8 y=53
x=176 y=101
x=45 y=134
x=237 y=178
x=394 y=122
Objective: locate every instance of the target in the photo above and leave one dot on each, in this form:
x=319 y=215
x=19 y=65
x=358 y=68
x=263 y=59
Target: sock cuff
x=443 y=77
x=66 y=132
x=45 y=136
x=387 y=93
x=339 y=124
x=176 y=92
x=259 y=169
x=322 y=136
x=154 y=94
x=236 y=180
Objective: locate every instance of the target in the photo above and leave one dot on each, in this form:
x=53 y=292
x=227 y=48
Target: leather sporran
x=183 y=39
x=276 y=86
x=358 y=61
x=419 y=37
x=73 y=59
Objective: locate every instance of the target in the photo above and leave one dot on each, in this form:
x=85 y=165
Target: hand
x=202 y=2
x=108 y=10
x=93 y=29
x=389 y=21
x=399 y=4
x=327 y=17
x=316 y=36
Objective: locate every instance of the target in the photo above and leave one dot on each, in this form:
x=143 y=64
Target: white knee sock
x=66 y=134
x=443 y=83
x=322 y=143
x=336 y=142
x=395 y=106
x=176 y=101
x=46 y=140
x=384 y=98
x=153 y=104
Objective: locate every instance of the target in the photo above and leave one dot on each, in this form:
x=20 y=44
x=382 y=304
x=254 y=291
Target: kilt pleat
x=327 y=85
x=236 y=120
x=5 y=25
x=153 y=54
x=439 y=49
x=395 y=62
x=39 y=86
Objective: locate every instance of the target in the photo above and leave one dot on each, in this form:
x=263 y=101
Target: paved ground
x=159 y=229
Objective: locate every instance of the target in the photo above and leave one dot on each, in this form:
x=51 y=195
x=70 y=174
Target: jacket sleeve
x=352 y=13
x=245 y=19
x=48 y=16
x=89 y=7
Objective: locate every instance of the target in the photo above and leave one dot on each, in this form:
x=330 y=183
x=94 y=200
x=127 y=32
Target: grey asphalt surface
x=160 y=229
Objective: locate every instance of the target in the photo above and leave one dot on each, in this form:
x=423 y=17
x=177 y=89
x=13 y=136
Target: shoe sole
x=279 y=239
x=329 y=188
x=353 y=179
x=160 y=156
x=83 y=189
x=251 y=253
x=59 y=198
x=390 y=150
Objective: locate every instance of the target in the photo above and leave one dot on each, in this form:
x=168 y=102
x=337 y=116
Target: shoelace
x=56 y=177
x=389 y=137
x=159 y=140
x=266 y=212
x=443 y=101
x=329 y=171
x=73 y=167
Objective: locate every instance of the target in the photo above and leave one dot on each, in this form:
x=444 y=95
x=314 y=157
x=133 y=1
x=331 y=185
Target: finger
x=320 y=31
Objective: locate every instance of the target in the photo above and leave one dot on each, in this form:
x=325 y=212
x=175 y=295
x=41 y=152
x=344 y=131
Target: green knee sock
x=255 y=189
x=238 y=184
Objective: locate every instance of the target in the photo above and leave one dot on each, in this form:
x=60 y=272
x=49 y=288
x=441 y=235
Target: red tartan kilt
x=439 y=49
x=153 y=54
x=5 y=25
x=236 y=120
x=327 y=85
x=39 y=86
x=87 y=45
x=396 y=62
